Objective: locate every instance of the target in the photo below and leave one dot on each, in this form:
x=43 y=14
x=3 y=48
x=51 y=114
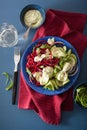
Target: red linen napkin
x=70 y=27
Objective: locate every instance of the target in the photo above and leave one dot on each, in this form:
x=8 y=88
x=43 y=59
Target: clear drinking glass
x=8 y=35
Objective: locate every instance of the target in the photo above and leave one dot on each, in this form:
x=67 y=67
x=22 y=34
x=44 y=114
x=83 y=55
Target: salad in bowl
x=52 y=65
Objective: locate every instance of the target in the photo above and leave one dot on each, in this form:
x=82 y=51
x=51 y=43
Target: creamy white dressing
x=37 y=58
x=41 y=57
x=62 y=76
x=67 y=66
x=33 y=18
x=44 y=79
x=51 y=41
x=37 y=75
x=72 y=61
x=57 y=52
x=48 y=71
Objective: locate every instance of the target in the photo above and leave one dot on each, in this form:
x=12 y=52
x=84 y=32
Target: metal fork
x=16 y=61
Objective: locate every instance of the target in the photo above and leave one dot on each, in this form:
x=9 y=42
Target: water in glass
x=8 y=35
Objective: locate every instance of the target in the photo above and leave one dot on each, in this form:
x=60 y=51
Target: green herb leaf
x=7 y=77
x=9 y=81
x=10 y=85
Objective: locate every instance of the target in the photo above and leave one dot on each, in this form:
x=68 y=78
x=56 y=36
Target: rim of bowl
x=29 y=7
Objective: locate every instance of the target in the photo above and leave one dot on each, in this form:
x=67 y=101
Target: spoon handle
x=26 y=33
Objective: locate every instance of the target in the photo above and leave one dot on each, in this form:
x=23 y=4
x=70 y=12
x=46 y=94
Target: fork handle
x=14 y=90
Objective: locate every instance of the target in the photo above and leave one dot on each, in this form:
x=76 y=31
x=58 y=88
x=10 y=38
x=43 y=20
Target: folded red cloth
x=70 y=27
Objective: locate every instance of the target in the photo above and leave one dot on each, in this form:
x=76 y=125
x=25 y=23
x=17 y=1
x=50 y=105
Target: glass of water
x=8 y=35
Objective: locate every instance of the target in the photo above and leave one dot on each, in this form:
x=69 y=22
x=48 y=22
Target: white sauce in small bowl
x=33 y=18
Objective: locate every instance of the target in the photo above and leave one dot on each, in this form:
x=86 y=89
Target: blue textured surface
x=11 y=118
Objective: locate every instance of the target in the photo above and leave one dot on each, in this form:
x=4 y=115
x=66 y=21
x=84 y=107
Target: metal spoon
x=28 y=30
x=27 y=33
